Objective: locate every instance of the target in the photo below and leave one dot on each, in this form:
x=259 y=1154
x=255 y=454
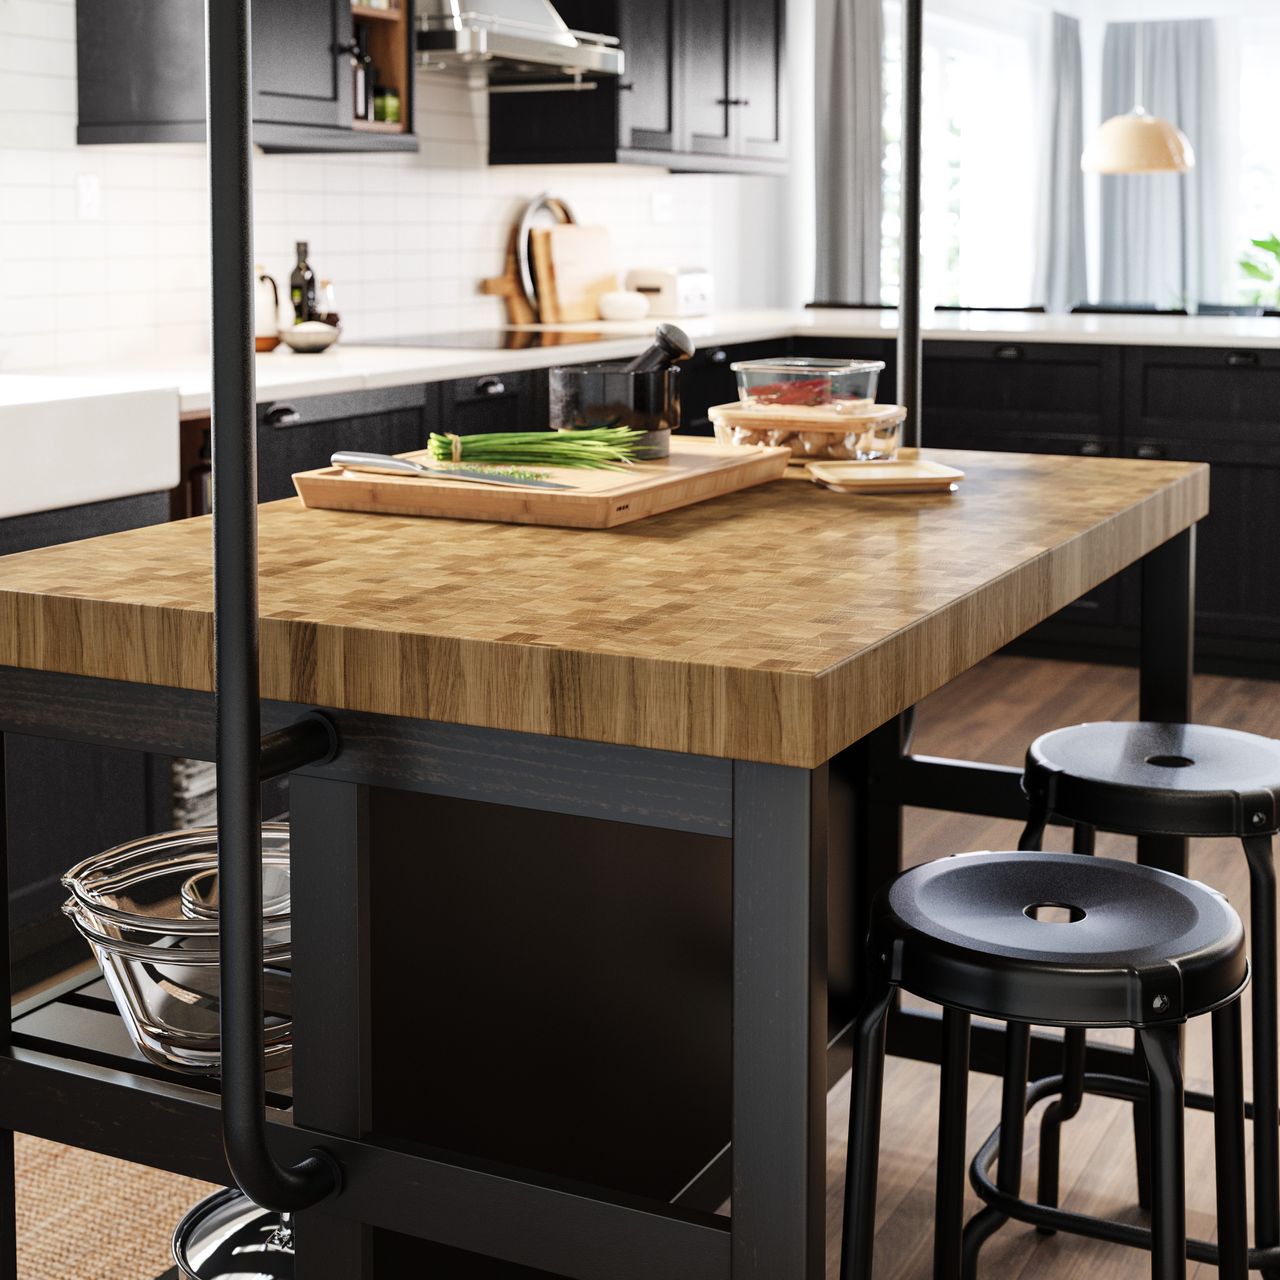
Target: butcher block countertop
x=778 y=625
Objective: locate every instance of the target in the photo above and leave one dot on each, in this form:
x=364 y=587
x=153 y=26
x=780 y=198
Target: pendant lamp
x=1138 y=142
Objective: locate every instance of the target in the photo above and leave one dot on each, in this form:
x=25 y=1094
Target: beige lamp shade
x=1138 y=143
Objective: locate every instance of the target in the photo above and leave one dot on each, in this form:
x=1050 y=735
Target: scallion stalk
x=610 y=448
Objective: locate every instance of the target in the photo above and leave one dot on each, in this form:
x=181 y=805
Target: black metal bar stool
x=1055 y=939
x=1144 y=778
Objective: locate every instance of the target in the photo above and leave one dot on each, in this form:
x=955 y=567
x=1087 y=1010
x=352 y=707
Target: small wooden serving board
x=902 y=475
x=696 y=470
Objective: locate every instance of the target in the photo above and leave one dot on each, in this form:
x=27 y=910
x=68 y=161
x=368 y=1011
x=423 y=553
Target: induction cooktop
x=491 y=339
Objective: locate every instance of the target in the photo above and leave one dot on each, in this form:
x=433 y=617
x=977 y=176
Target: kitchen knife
x=386 y=464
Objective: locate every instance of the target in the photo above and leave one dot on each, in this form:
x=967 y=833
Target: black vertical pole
x=235 y=562
x=8 y=1181
x=910 y=386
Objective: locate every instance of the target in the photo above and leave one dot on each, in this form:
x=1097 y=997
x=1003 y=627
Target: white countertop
x=283 y=373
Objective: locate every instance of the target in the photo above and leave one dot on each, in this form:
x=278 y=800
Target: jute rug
x=83 y=1216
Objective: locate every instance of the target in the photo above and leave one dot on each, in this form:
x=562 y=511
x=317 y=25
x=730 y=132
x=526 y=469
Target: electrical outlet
x=88 y=197
x=661 y=206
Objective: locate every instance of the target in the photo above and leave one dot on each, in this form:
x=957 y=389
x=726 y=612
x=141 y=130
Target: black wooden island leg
x=779 y=1022
x=1165 y=663
x=329 y=850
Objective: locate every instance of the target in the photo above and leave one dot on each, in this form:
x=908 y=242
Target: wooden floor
x=992 y=713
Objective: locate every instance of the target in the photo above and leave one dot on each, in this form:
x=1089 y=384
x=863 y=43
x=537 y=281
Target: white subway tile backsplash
x=103 y=250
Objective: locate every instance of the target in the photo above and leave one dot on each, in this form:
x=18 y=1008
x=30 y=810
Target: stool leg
x=1037 y=819
x=1082 y=838
x=1061 y=1108
x=1266 y=1101
x=1013 y=1121
x=1168 y=1154
x=953 y=1108
x=1228 y=1141
x=858 y=1247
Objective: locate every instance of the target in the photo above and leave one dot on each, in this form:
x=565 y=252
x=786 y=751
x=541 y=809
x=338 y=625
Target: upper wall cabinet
x=703 y=89
x=141 y=73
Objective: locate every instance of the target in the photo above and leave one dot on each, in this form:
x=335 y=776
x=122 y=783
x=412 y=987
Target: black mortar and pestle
x=642 y=393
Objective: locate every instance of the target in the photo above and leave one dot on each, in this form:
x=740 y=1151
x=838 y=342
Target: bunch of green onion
x=610 y=448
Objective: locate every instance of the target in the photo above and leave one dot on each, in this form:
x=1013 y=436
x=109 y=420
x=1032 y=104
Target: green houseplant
x=1263 y=266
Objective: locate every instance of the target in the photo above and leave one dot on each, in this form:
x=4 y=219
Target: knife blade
x=387 y=464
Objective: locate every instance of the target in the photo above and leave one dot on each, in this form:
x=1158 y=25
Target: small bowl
x=310 y=337
x=623 y=304
x=847 y=386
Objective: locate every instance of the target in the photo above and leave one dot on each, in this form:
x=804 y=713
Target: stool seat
x=1135 y=946
x=1147 y=778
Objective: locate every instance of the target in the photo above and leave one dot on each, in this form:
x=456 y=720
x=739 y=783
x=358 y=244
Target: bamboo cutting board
x=696 y=471
x=573 y=266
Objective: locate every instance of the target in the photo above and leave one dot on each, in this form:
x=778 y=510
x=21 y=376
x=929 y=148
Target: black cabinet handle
x=1093 y=448
x=1149 y=451
x=626 y=86
x=733 y=102
x=351 y=47
x=1242 y=359
x=491 y=387
x=281 y=415
x=718 y=356
x=1008 y=353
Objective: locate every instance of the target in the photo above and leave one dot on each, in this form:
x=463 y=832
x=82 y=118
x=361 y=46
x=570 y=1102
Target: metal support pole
x=8 y=1181
x=235 y=559
x=910 y=383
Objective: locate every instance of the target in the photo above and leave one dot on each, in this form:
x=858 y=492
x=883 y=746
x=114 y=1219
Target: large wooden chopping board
x=696 y=471
x=572 y=266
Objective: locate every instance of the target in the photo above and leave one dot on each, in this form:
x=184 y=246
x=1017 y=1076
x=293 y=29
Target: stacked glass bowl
x=149 y=912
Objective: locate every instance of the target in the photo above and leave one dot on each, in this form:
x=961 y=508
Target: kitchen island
x=574 y=905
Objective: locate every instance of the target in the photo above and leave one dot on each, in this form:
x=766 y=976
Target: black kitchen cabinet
x=300 y=435
x=67 y=800
x=494 y=402
x=703 y=89
x=140 y=75
x=1036 y=398
x=1221 y=407
x=708 y=379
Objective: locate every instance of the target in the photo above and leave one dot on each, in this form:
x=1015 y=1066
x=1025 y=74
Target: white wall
x=103 y=250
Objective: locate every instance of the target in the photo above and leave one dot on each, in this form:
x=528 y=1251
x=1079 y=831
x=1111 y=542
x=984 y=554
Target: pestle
x=670 y=345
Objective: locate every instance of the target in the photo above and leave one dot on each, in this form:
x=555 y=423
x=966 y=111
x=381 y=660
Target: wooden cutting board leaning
x=573 y=267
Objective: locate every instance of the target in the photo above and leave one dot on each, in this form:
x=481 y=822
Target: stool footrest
x=1083 y=1224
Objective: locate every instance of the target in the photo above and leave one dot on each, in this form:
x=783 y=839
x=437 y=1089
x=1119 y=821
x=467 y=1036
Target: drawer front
x=300 y=435
x=1180 y=392
x=495 y=402
x=1059 y=389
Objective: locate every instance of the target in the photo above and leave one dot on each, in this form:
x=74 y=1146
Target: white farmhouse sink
x=67 y=441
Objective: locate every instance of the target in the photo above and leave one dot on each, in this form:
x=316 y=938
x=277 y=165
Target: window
x=1257 y=202
x=978 y=199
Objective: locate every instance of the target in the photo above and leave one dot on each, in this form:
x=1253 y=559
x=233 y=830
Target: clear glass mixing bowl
x=149 y=912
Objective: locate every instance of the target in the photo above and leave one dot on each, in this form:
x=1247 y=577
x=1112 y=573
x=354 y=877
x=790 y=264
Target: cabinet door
x=304 y=434
x=759 y=59
x=299 y=75
x=647 y=98
x=706 y=81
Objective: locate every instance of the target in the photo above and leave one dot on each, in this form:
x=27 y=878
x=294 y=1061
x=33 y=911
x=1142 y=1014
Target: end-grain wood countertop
x=778 y=625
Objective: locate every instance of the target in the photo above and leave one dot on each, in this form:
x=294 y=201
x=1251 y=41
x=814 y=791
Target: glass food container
x=227 y=1237
x=149 y=912
x=607 y=395
x=846 y=386
x=812 y=432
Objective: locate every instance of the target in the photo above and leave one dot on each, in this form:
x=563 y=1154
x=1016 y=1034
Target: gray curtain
x=1062 y=276
x=849 y=149
x=1162 y=233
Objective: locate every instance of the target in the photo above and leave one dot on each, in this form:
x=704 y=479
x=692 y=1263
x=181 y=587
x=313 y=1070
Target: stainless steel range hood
x=510 y=38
